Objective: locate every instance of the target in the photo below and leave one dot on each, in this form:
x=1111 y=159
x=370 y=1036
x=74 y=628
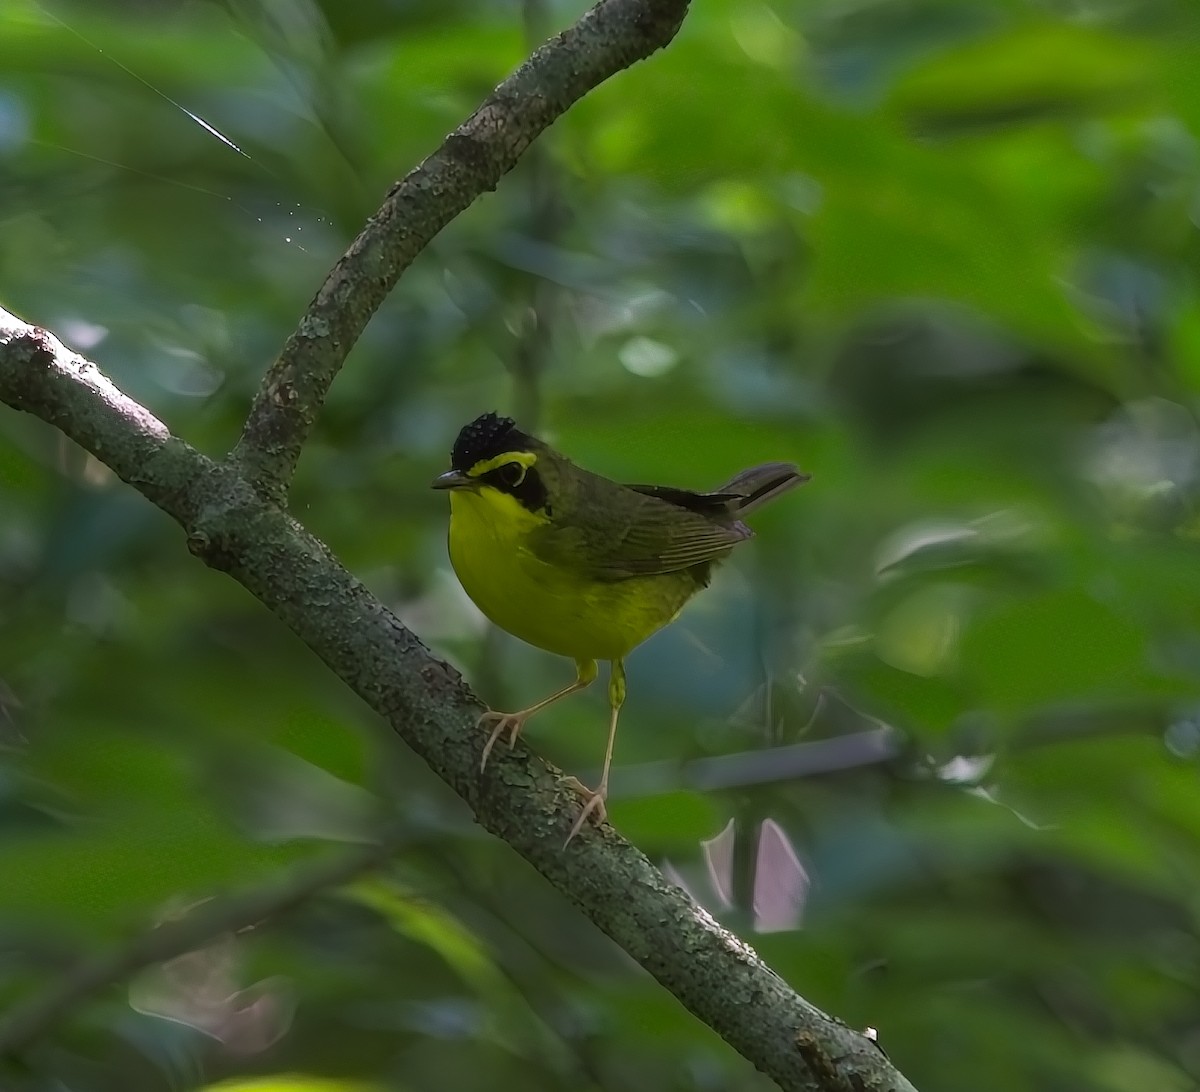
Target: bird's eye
x=512 y=474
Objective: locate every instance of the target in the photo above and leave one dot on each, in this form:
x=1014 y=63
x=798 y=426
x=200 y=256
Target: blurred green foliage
x=942 y=253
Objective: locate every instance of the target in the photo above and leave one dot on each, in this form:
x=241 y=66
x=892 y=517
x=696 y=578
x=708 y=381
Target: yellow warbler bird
x=579 y=565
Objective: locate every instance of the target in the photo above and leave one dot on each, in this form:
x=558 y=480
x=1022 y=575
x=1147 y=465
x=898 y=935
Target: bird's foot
x=505 y=723
x=593 y=806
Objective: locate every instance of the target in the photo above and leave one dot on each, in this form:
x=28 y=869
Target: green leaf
x=1061 y=646
x=297 y=1083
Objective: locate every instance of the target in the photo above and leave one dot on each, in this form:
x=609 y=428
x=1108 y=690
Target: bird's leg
x=512 y=723
x=593 y=799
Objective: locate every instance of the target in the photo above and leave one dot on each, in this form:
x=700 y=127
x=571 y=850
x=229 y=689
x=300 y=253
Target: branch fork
x=232 y=513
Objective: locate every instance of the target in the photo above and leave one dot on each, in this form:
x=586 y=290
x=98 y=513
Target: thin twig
x=531 y=352
x=610 y=37
x=26 y=1022
x=769 y=765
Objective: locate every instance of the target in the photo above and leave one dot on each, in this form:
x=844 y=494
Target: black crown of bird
x=484 y=438
x=582 y=566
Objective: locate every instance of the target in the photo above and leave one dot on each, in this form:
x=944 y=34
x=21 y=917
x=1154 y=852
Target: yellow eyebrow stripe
x=524 y=458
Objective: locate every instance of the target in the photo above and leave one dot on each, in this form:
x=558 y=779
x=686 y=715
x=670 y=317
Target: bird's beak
x=452 y=479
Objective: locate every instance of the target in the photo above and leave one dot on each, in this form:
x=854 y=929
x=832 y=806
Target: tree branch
x=520 y=799
x=24 y=1023
x=610 y=37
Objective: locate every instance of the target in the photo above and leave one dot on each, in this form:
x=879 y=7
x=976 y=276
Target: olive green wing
x=617 y=532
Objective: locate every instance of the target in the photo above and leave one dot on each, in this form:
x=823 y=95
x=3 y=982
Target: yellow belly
x=541 y=603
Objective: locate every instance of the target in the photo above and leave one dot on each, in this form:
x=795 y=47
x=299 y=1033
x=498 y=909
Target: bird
x=582 y=566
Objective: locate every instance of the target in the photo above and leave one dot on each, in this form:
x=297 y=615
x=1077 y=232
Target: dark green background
x=944 y=255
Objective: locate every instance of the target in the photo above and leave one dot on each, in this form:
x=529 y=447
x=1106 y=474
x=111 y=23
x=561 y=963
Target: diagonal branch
x=521 y=799
x=610 y=37
x=24 y=1023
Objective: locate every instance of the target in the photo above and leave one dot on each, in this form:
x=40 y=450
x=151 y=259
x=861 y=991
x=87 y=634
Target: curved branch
x=610 y=37
x=521 y=799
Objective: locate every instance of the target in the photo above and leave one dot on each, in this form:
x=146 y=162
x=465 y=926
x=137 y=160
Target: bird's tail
x=751 y=489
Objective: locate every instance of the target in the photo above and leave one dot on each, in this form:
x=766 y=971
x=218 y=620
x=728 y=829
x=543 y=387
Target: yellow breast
x=546 y=605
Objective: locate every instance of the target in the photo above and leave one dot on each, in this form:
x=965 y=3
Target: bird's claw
x=512 y=723
x=593 y=806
